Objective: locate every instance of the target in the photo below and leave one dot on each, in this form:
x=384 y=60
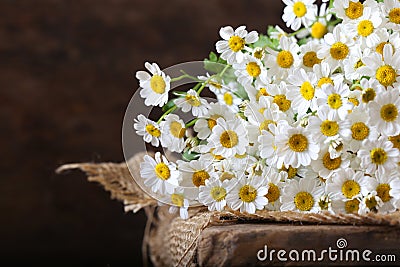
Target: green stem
x=172 y=109
x=223 y=71
x=190 y=123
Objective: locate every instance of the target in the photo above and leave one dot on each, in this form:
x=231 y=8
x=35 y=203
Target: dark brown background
x=66 y=76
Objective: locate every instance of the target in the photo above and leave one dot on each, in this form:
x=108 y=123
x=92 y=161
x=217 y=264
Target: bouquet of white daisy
x=306 y=121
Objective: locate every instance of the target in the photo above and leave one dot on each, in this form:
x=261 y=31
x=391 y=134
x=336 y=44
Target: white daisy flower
x=334 y=97
x=280 y=62
x=234 y=42
x=308 y=55
x=370 y=203
x=155 y=86
x=275 y=181
x=247 y=194
x=387 y=187
x=384 y=112
x=391 y=10
x=149 y=129
x=325 y=75
x=228 y=138
x=336 y=47
x=347 y=184
x=370 y=89
x=179 y=203
x=327 y=126
x=365 y=28
x=360 y=129
x=319 y=28
x=278 y=33
x=298 y=12
x=352 y=9
x=249 y=69
x=214 y=83
x=353 y=63
x=387 y=38
x=378 y=155
x=386 y=70
x=295 y=146
x=159 y=174
x=277 y=94
x=213 y=194
x=192 y=101
x=229 y=99
x=346 y=206
x=195 y=172
x=301 y=195
x=302 y=91
x=172 y=133
x=205 y=124
x=326 y=166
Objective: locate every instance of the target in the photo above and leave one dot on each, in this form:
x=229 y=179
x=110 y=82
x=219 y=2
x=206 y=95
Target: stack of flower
x=305 y=121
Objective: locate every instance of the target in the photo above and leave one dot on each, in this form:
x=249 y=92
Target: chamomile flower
x=387 y=187
x=360 y=129
x=325 y=75
x=302 y=91
x=228 y=138
x=387 y=38
x=326 y=166
x=336 y=47
x=352 y=9
x=213 y=194
x=149 y=129
x=195 y=172
x=391 y=10
x=192 y=101
x=258 y=90
x=294 y=146
x=214 y=83
x=155 y=87
x=370 y=89
x=334 y=98
x=353 y=63
x=234 y=42
x=205 y=124
x=179 y=203
x=298 y=12
x=275 y=181
x=229 y=99
x=301 y=195
x=308 y=55
x=370 y=203
x=280 y=62
x=159 y=174
x=347 y=184
x=172 y=133
x=378 y=155
x=385 y=69
x=346 y=205
x=384 y=112
x=249 y=69
x=277 y=94
x=319 y=28
x=247 y=194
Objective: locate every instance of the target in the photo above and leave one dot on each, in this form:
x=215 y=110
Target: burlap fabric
x=171 y=241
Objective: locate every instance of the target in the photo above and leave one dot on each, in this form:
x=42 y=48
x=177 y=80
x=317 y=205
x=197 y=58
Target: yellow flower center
x=261 y=92
x=215 y=84
x=177 y=200
x=177 y=130
x=368 y=95
x=379 y=47
x=200 y=177
x=383 y=192
x=323 y=203
x=247 y=193
x=229 y=139
x=331 y=164
x=334 y=101
x=193 y=100
x=339 y=51
x=157 y=84
x=358 y=64
x=350 y=189
x=292 y=172
x=324 y=80
x=329 y=128
x=152 y=130
x=389 y=112
x=236 y=43
x=359 y=131
x=259 y=53
x=211 y=123
x=299 y=9
x=307 y=91
x=318 y=30
x=394 y=15
x=371 y=202
x=282 y=102
x=351 y=206
x=304 y=201
x=298 y=143
x=310 y=59
x=265 y=124
x=228 y=98
x=253 y=69
x=378 y=156
x=226 y=176
x=355 y=10
x=395 y=140
x=386 y=75
x=285 y=59
x=273 y=193
x=218 y=193
x=162 y=171
x=365 y=28
x=354 y=101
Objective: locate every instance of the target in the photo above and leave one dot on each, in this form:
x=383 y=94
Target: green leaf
x=213 y=57
x=189 y=156
x=262 y=41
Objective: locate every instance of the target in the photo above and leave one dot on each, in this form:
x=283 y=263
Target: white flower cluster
x=307 y=121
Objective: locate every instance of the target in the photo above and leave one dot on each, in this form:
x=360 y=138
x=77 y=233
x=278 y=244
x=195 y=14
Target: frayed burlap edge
x=173 y=241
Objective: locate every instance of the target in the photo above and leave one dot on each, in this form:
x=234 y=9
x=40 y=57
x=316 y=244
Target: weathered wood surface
x=238 y=245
